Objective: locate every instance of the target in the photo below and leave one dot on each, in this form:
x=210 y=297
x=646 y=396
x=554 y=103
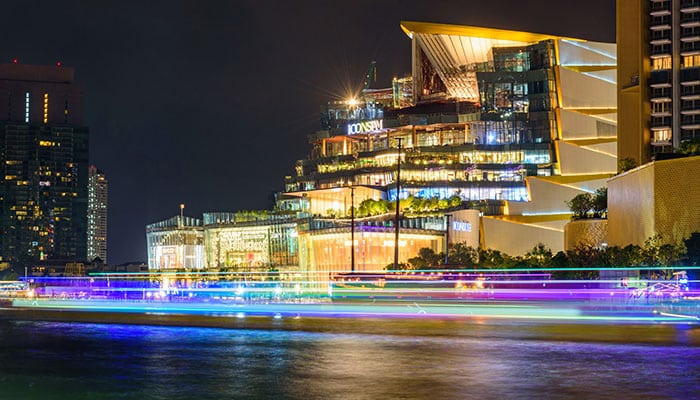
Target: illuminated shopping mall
x=511 y=124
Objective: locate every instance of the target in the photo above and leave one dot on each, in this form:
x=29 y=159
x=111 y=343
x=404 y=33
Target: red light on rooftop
x=58 y=63
x=15 y=61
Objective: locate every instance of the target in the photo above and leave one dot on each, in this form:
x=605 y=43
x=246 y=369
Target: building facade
x=659 y=99
x=176 y=243
x=658 y=198
x=250 y=243
x=43 y=165
x=659 y=75
x=526 y=119
x=97 y=214
x=511 y=123
x=290 y=243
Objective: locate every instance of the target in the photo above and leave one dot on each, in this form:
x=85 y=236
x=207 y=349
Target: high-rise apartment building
x=658 y=56
x=97 y=214
x=43 y=165
x=659 y=76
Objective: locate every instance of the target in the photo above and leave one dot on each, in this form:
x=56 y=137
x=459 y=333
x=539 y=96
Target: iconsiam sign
x=365 y=126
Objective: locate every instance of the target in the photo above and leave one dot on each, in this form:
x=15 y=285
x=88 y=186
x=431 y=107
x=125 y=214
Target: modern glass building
x=175 y=244
x=523 y=118
x=245 y=243
x=519 y=121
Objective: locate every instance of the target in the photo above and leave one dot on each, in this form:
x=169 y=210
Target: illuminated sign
x=365 y=126
x=461 y=226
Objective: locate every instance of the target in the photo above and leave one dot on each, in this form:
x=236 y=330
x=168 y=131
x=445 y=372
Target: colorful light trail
x=492 y=294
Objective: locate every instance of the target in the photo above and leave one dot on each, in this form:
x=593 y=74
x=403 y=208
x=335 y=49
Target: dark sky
x=208 y=103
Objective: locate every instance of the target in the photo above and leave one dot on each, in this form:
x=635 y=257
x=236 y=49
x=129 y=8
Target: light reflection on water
x=40 y=360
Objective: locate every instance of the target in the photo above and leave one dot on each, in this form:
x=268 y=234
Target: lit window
x=662 y=136
x=691 y=61
x=46 y=108
x=26 y=107
x=661 y=63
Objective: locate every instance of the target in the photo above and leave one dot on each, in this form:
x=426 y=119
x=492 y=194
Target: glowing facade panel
x=175 y=244
x=329 y=251
x=661 y=197
x=252 y=247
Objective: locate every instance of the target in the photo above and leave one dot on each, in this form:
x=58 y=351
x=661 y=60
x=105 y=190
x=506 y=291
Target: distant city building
x=97 y=215
x=43 y=165
x=659 y=76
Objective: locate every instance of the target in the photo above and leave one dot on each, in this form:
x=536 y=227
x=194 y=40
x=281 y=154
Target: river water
x=49 y=360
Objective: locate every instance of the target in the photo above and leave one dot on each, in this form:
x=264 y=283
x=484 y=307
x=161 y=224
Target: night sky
x=208 y=103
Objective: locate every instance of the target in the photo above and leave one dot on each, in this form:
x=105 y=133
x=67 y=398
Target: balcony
x=689 y=20
x=660 y=114
x=689 y=121
x=690 y=93
x=661 y=123
x=688 y=6
x=690 y=107
x=659 y=10
x=662 y=40
x=690 y=76
x=689 y=47
x=690 y=97
x=660 y=78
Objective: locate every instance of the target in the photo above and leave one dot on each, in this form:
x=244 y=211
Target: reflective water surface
x=44 y=360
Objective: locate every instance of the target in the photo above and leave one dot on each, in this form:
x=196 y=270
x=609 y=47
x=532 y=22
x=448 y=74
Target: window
x=662 y=136
x=661 y=63
x=691 y=61
x=658 y=108
x=46 y=107
x=26 y=107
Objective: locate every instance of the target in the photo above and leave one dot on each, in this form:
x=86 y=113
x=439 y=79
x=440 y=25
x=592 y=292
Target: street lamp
x=396 y=219
x=447 y=237
x=352 y=228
